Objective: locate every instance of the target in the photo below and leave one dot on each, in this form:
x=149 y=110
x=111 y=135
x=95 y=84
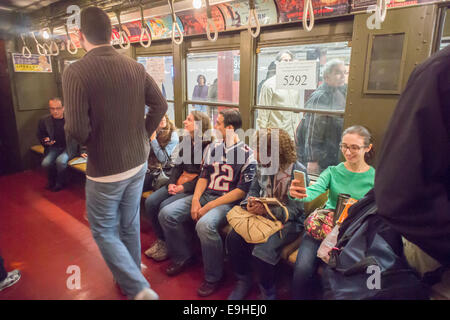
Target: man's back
x=105 y=95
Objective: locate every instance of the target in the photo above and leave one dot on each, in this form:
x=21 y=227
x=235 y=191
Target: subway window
x=161 y=70
x=213 y=77
x=445 y=39
x=305 y=77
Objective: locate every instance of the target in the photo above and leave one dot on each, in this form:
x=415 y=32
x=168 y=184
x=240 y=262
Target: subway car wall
x=407 y=37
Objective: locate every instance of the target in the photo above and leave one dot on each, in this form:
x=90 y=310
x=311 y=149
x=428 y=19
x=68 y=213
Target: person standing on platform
x=105 y=95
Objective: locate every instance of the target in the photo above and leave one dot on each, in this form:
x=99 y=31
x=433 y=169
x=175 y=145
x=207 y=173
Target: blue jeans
x=305 y=269
x=155 y=202
x=176 y=221
x=113 y=214
x=55 y=162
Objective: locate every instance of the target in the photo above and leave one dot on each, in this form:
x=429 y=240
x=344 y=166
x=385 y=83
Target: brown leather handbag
x=255 y=228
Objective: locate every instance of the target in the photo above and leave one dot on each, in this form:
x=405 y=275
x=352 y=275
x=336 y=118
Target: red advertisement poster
x=292 y=10
x=194 y=22
x=132 y=29
x=236 y=13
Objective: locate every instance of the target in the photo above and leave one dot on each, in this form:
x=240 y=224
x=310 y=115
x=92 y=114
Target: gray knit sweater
x=105 y=94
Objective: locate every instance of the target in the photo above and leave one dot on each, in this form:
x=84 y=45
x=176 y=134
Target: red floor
x=43 y=233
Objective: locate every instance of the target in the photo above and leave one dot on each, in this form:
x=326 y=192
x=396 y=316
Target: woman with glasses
x=354 y=177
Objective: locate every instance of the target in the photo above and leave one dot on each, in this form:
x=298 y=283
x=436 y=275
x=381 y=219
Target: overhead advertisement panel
x=362 y=5
x=292 y=10
x=236 y=13
x=132 y=29
x=194 y=21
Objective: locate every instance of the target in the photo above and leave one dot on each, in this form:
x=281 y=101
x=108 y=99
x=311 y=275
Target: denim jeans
x=154 y=203
x=176 y=221
x=55 y=162
x=305 y=269
x=113 y=214
x=242 y=260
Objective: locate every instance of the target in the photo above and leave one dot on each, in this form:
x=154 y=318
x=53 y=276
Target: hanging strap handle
x=307 y=6
x=53 y=44
x=209 y=23
x=144 y=31
x=175 y=25
x=122 y=34
x=381 y=10
x=26 y=53
x=70 y=42
x=40 y=48
x=253 y=15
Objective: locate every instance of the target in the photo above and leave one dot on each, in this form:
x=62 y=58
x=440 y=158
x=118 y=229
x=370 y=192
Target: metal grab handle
x=381 y=10
x=210 y=22
x=144 y=31
x=208 y=30
x=54 y=44
x=308 y=7
x=122 y=34
x=48 y=49
x=25 y=48
x=253 y=15
x=70 y=42
x=39 y=46
x=175 y=25
x=122 y=38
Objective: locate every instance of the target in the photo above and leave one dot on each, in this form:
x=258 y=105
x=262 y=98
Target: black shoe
x=50 y=185
x=57 y=188
x=176 y=268
x=208 y=288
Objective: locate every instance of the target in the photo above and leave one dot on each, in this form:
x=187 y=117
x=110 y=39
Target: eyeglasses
x=353 y=148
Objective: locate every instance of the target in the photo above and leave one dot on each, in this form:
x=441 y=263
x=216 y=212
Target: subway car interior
x=325 y=77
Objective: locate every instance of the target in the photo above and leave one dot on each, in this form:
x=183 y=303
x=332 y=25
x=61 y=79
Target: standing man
x=106 y=94
x=412 y=182
x=58 y=149
x=227 y=172
x=318 y=136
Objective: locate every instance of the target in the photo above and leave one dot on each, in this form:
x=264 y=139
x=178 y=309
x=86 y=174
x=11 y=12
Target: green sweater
x=338 y=179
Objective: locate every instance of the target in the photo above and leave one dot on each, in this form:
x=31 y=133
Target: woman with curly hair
x=273 y=177
x=162 y=143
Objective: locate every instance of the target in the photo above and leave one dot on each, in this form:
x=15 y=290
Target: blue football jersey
x=228 y=168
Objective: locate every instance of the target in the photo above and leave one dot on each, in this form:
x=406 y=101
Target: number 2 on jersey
x=221 y=178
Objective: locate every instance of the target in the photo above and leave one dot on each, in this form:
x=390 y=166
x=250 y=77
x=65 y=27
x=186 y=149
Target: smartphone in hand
x=300 y=176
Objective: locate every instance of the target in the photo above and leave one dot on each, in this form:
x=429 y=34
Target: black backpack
x=368 y=260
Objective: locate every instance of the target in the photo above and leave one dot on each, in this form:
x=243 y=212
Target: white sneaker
x=147 y=294
x=11 y=278
x=154 y=248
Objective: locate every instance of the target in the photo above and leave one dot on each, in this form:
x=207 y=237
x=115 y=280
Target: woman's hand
x=153 y=136
x=256 y=207
x=296 y=190
x=177 y=189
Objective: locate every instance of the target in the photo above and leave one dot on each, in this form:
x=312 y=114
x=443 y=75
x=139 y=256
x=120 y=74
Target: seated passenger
x=267 y=255
x=162 y=143
x=353 y=176
x=183 y=178
x=225 y=178
x=58 y=149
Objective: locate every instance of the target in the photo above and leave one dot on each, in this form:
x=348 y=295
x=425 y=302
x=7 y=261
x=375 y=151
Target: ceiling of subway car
x=25 y=5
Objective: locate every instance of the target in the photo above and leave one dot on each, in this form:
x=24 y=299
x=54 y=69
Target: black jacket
x=46 y=129
x=412 y=182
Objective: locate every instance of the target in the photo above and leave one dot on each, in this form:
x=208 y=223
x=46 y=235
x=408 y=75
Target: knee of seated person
x=205 y=228
x=166 y=217
x=46 y=163
x=61 y=163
